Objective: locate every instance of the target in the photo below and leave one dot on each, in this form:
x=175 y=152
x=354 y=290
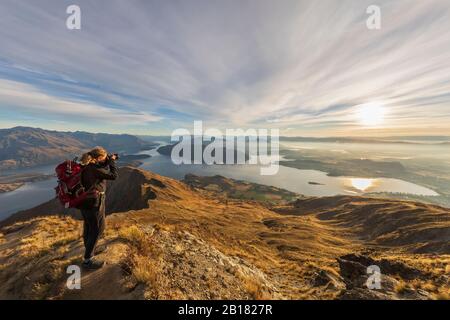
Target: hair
x=91 y=156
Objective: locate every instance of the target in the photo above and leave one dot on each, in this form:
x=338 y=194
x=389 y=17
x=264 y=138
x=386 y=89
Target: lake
x=291 y=179
x=307 y=182
x=29 y=195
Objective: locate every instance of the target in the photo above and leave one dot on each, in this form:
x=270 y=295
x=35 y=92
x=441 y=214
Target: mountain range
x=27 y=147
x=217 y=238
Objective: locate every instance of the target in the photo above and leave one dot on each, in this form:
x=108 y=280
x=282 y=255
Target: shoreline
x=13 y=182
x=9 y=187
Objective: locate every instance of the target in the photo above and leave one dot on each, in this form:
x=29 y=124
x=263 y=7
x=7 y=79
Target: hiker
x=98 y=166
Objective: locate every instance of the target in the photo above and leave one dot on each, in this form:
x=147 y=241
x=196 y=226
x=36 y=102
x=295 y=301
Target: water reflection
x=361 y=184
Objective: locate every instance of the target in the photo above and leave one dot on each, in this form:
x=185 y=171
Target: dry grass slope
x=179 y=242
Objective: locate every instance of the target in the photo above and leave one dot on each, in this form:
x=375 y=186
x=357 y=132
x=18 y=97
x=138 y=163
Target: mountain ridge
x=27 y=147
x=182 y=241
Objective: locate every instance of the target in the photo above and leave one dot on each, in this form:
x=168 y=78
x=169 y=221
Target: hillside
x=27 y=147
x=170 y=240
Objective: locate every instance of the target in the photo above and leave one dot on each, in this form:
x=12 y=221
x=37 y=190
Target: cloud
x=233 y=63
x=24 y=97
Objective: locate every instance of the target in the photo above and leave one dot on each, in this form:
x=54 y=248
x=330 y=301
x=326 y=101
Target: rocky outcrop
x=359 y=280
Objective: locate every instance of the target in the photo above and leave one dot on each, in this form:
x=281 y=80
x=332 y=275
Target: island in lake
x=315 y=183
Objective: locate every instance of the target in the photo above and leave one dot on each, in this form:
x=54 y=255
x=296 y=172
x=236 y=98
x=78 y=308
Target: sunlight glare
x=371 y=114
x=361 y=184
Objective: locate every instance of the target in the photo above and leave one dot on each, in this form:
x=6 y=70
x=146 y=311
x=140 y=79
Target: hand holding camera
x=113 y=156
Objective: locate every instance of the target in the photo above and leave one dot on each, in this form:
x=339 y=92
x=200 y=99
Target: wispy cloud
x=24 y=97
x=255 y=62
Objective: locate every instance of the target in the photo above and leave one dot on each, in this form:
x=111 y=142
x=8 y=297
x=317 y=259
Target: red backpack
x=70 y=191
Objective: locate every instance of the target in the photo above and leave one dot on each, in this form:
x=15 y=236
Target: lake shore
x=13 y=182
x=8 y=187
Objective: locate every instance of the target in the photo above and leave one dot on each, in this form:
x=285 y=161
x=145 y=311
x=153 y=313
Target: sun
x=371 y=114
x=361 y=184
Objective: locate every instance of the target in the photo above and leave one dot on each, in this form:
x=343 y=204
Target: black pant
x=94 y=225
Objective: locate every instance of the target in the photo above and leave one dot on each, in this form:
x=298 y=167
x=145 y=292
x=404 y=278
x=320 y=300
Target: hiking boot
x=93 y=264
x=100 y=249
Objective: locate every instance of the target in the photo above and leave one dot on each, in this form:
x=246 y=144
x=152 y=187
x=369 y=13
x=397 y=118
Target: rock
x=353 y=272
x=148 y=230
x=363 y=294
x=424 y=293
x=353 y=269
x=324 y=278
x=399 y=268
x=354 y=266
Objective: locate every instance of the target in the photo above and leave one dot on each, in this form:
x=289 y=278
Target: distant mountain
x=209 y=240
x=165 y=139
x=396 y=139
x=237 y=154
x=27 y=147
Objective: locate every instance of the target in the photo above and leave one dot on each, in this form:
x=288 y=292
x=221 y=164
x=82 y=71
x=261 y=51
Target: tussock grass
x=144 y=270
x=280 y=258
x=134 y=235
x=144 y=263
x=255 y=289
x=401 y=287
x=429 y=286
x=442 y=296
x=48 y=236
x=39 y=290
x=38 y=263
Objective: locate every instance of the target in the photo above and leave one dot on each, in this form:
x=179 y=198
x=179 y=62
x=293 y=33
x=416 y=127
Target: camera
x=114 y=156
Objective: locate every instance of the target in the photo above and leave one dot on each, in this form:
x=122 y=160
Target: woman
x=98 y=167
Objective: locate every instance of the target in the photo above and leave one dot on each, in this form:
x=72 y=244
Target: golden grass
x=401 y=287
x=437 y=293
x=256 y=290
x=144 y=262
x=288 y=255
x=442 y=296
x=39 y=261
x=429 y=286
x=144 y=270
x=133 y=234
x=39 y=290
x=49 y=235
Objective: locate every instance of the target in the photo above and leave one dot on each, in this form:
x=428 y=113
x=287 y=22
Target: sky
x=309 y=68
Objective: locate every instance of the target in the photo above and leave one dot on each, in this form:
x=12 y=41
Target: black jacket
x=95 y=175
